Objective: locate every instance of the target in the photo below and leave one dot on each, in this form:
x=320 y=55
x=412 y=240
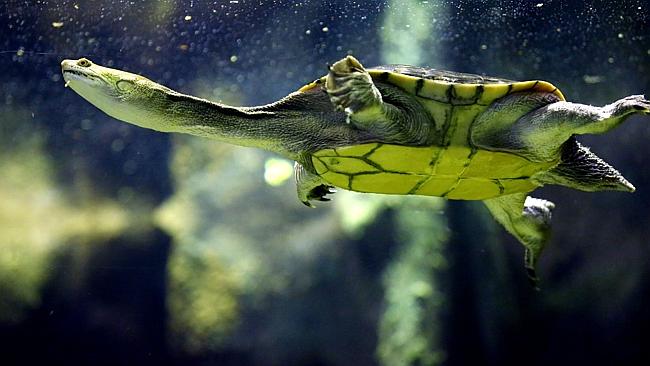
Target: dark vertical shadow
x=461 y=340
x=481 y=308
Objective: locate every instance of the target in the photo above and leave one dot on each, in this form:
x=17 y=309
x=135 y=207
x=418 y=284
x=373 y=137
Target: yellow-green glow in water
x=277 y=171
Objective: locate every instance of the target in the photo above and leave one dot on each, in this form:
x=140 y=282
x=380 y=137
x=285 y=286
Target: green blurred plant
x=37 y=215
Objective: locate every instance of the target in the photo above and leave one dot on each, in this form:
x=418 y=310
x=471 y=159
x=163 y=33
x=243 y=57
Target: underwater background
x=120 y=245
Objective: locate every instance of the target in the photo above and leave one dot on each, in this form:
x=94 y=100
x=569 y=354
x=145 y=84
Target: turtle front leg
x=529 y=220
x=352 y=90
x=310 y=186
x=389 y=113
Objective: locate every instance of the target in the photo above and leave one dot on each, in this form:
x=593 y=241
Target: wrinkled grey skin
x=352 y=109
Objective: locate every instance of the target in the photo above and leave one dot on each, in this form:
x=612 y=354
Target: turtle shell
x=452 y=167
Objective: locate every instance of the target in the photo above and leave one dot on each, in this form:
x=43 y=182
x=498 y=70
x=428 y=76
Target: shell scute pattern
x=455 y=172
x=450 y=167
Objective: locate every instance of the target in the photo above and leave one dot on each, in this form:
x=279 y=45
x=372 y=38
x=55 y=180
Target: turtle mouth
x=72 y=73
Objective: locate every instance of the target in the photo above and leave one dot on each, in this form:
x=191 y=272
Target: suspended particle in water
x=86 y=124
x=233 y=58
x=117 y=145
x=592 y=79
x=188 y=18
x=57 y=24
x=325 y=29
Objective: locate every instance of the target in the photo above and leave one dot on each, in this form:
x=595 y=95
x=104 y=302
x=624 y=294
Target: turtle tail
x=581 y=169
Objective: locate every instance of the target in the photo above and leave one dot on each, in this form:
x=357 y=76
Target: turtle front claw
x=310 y=187
x=318 y=193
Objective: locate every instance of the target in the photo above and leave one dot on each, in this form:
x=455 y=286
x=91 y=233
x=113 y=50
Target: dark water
x=120 y=245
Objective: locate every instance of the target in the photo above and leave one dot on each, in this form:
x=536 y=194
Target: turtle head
x=120 y=94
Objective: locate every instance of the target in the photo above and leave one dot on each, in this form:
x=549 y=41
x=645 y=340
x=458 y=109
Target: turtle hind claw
x=532 y=278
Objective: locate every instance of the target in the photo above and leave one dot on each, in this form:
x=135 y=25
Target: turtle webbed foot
x=529 y=220
x=350 y=87
x=538 y=213
x=630 y=105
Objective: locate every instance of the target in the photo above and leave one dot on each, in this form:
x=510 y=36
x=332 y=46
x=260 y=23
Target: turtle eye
x=125 y=85
x=84 y=62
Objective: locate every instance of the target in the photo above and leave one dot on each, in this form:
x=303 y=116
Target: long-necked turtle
x=397 y=129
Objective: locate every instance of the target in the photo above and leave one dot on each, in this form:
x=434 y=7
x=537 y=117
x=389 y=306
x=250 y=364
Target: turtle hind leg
x=310 y=186
x=547 y=128
x=386 y=111
x=581 y=169
x=536 y=125
x=527 y=219
x=596 y=120
x=499 y=127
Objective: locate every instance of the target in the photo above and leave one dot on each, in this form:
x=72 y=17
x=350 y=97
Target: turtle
x=398 y=129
